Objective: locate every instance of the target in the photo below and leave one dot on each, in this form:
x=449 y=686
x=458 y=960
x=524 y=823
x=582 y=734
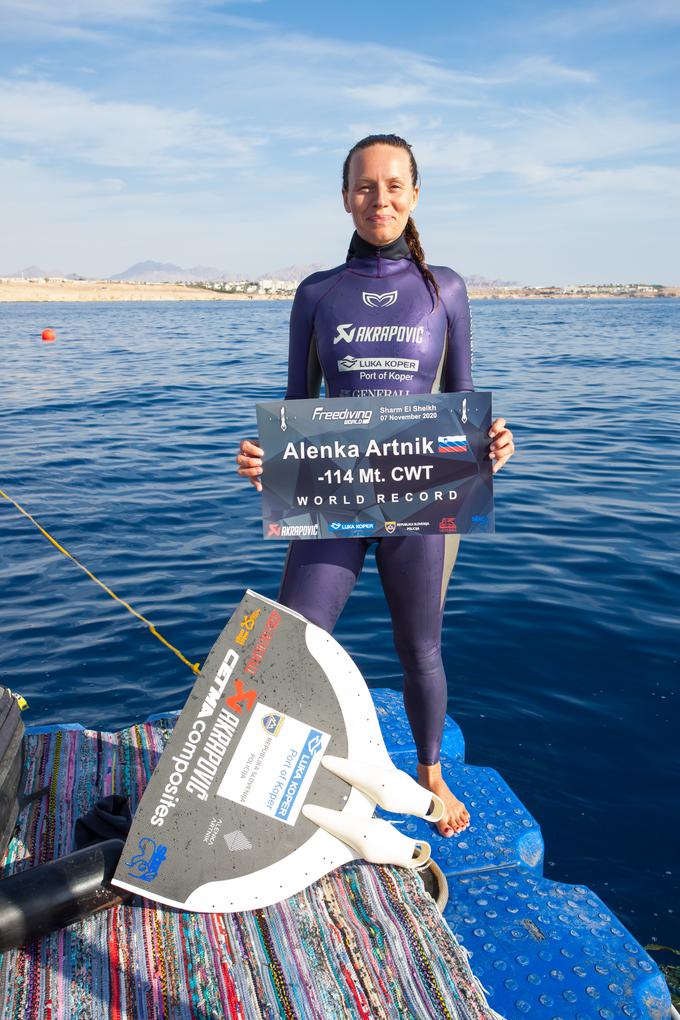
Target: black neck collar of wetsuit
x=360 y=249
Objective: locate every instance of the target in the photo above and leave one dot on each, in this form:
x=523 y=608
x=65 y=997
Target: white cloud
x=77 y=19
x=640 y=181
x=608 y=17
x=104 y=11
x=456 y=154
x=78 y=125
x=105 y=22
x=396 y=95
x=320 y=71
x=579 y=134
x=540 y=68
x=536 y=150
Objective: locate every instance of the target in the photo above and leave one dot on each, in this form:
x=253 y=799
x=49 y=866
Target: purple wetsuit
x=378 y=306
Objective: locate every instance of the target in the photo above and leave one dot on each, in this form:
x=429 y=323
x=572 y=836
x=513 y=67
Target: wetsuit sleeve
x=458 y=367
x=304 y=370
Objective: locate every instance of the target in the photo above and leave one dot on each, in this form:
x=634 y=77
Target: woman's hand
x=249 y=459
x=502 y=447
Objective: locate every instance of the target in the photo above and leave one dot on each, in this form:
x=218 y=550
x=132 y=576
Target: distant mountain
x=31 y=272
x=167 y=272
x=481 y=282
x=296 y=272
x=38 y=273
x=164 y=272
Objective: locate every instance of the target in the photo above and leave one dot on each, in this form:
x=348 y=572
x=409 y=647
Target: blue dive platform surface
x=540 y=948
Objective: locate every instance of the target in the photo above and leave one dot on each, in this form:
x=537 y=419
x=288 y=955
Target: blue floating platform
x=389 y=707
x=552 y=951
x=501 y=834
x=540 y=948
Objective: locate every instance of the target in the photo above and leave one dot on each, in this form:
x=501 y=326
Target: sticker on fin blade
x=274 y=764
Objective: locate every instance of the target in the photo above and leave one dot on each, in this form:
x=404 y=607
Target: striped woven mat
x=364 y=942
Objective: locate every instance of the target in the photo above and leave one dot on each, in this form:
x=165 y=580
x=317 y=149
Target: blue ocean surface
x=560 y=632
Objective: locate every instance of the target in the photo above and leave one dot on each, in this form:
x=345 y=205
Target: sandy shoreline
x=106 y=290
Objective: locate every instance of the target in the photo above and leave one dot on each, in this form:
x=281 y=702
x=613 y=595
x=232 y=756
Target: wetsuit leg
x=415 y=571
x=319 y=576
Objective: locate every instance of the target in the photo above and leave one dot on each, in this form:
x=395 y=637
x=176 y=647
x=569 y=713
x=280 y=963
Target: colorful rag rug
x=365 y=942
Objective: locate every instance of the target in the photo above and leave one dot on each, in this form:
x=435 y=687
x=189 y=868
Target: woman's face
x=380 y=195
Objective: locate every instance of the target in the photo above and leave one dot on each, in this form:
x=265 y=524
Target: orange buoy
x=49 y=335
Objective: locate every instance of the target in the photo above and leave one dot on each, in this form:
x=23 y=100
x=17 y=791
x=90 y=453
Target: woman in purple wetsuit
x=384 y=303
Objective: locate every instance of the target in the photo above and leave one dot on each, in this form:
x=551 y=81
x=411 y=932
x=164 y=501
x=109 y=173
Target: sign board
x=376 y=467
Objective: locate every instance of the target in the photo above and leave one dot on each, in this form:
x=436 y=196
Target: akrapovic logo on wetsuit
x=380 y=300
x=350 y=364
x=348 y=416
x=352 y=334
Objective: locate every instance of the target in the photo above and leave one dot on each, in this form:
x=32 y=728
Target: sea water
x=560 y=632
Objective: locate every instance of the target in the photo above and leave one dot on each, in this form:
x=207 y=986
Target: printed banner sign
x=376 y=466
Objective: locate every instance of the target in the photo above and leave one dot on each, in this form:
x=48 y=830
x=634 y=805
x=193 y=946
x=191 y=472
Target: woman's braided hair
x=411 y=235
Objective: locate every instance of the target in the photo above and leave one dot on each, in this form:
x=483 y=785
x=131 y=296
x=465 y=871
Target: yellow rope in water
x=195 y=666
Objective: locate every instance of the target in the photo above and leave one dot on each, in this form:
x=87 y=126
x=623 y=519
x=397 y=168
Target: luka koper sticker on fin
x=221 y=825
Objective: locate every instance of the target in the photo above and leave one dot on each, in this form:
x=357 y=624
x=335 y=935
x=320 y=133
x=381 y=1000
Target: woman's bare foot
x=455 y=818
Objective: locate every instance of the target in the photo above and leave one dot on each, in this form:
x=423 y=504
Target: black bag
x=11 y=764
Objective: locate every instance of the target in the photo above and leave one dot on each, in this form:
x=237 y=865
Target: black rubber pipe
x=53 y=895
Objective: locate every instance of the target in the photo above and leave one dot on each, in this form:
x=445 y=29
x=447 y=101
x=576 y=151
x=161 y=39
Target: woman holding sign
x=386 y=271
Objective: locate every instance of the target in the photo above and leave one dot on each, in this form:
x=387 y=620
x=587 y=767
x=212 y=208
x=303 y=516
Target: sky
x=547 y=134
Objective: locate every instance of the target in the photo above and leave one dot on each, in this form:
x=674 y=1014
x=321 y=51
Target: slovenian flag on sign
x=452 y=444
